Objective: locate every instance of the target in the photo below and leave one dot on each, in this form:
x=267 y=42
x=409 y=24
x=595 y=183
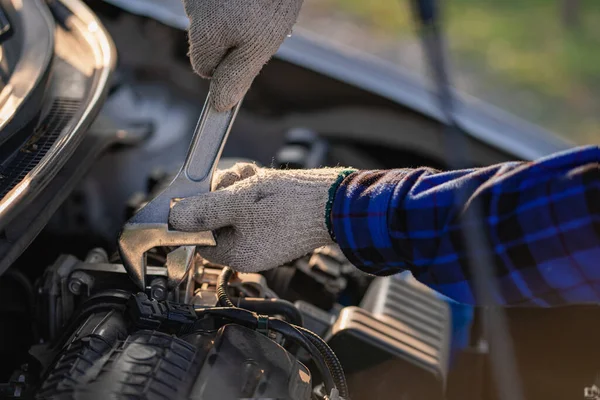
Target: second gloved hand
x=231 y=40
x=262 y=217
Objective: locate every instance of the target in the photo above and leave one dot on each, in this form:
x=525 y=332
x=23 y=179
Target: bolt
x=96 y=256
x=78 y=281
x=158 y=289
x=75 y=285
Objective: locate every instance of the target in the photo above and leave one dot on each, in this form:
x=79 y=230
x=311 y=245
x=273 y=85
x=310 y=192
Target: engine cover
x=399 y=338
x=102 y=361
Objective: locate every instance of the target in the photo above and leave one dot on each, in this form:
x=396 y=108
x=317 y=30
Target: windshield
x=537 y=59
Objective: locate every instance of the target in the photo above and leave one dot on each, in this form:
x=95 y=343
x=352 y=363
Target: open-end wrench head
x=178 y=264
x=137 y=239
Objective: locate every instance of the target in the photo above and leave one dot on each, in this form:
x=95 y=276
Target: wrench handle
x=207 y=144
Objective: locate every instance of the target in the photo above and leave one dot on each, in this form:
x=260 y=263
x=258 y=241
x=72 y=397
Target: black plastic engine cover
x=396 y=345
x=232 y=363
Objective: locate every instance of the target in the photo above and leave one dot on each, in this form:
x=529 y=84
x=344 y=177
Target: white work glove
x=231 y=40
x=262 y=217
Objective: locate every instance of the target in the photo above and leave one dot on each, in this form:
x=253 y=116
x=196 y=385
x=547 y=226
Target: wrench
x=149 y=227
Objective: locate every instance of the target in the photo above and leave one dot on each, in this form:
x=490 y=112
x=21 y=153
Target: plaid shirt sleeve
x=542 y=224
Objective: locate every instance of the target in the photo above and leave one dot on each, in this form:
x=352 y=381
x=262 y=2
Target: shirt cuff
x=359 y=220
x=332 y=191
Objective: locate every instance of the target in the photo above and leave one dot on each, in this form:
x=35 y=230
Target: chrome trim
x=38 y=48
x=104 y=52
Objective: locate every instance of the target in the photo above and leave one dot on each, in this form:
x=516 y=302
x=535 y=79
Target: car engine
x=213 y=334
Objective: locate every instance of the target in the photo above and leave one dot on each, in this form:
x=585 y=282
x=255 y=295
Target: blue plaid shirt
x=542 y=223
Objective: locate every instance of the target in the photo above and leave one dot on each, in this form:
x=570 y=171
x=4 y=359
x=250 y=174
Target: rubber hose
x=270 y=307
x=291 y=332
x=263 y=306
x=333 y=363
x=239 y=315
x=222 y=283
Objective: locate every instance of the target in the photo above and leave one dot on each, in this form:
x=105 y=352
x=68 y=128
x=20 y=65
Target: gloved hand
x=262 y=217
x=231 y=40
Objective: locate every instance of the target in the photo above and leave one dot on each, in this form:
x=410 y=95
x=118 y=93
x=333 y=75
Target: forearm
x=540 y=223
x=390 y=221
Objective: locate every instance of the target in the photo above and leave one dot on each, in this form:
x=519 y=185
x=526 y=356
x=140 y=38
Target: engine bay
x=106 y=138
x=217 y=334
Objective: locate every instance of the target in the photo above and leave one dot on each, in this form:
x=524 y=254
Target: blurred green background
x=538 y=59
